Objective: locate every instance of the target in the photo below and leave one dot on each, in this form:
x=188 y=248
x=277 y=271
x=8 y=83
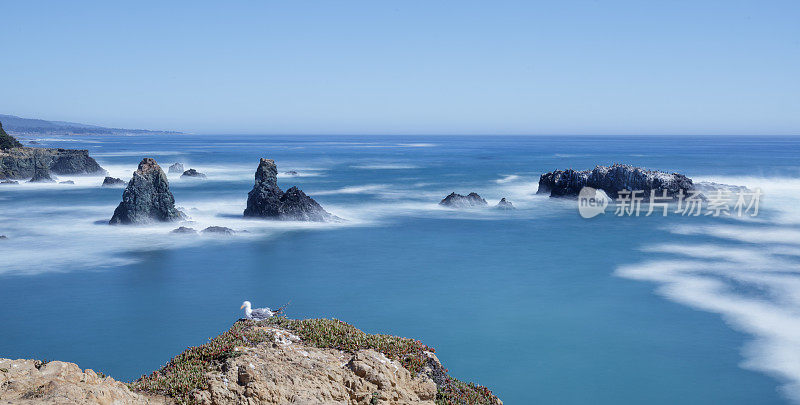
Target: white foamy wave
x=365 y=189
x=507 y=178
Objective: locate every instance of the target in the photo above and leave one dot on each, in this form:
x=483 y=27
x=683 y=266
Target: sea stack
x=266 y=200
x=463 y=201
x=147 y=197
x=504 y=204
x=612 y=179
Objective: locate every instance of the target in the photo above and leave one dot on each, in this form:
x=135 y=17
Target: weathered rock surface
x=41 y=174
x=184 y=229
x=504 y=205
x=176 y=168
x=221 y=230
x=19 y=162
x=267 y=200
x=147 y=197
x=287 y=371
x=568 y=183
x=193 y=173
x=112 y=182
x=56 y=382
x=463 y=201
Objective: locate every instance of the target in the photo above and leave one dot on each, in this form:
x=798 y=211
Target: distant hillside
x=17 y=125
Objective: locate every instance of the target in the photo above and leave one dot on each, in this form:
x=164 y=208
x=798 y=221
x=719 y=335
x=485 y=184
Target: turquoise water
x=538 y=304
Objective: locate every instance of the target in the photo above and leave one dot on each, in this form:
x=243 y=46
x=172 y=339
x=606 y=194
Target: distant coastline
x=37 y=127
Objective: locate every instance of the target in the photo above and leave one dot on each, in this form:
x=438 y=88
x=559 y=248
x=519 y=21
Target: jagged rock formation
x=41 y=174
x=147 y=197
x=184 y=229
x=56 y=382
x=504 y=205
x=176 y=168
x=221 y=230
x=568 y=183
x=112 y=182
x=7 y=141
x=460 y=201
x=193 y=173
x=267 y=200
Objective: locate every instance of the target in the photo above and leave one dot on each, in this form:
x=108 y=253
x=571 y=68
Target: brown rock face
x=56 y=382
x=286 y=371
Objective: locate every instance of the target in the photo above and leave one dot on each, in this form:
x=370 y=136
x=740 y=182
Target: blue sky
x=407 y=67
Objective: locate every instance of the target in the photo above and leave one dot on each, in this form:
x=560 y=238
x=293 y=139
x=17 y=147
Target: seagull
x=259 y=313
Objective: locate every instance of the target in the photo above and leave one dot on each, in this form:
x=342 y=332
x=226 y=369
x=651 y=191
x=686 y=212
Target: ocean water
x=538 y=304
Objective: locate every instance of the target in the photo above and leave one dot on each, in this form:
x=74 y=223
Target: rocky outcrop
x=41 y=174
x=504 y=205
x=275 y=361
x=463 y=201
x=267 y=200
x=184 y=230
x=7 y=141
x=112 y=182
x=193 y=173
x=147 y=197
x=56 y=382
x=20 y=163
x=176 y=168
x=219 y=230
x=568 y=183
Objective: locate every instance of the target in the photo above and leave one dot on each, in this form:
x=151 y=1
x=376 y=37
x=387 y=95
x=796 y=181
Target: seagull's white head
x=245 y=304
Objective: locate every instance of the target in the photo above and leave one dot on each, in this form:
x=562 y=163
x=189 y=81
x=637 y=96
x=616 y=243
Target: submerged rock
x=568 y=183
x=504 y=205
x=9 y=182
x=147 y=197
x=291 y=173
x=193 y=173
x=267 y=200
x=41 y=174
x=176 y=168
x=184 y=229
x=66 y=182
x=3 y=237
x=463 y=201
x=219 y=230
x=112 y=182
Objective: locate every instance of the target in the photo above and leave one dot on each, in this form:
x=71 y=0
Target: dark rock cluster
x=463 y=201
x=193 y=173
x=568 y=183
x=41 y=174
x=267 y=200
x=112 y=182
x=147 y=197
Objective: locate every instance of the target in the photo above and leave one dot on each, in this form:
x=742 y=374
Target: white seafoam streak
x=746 y=271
